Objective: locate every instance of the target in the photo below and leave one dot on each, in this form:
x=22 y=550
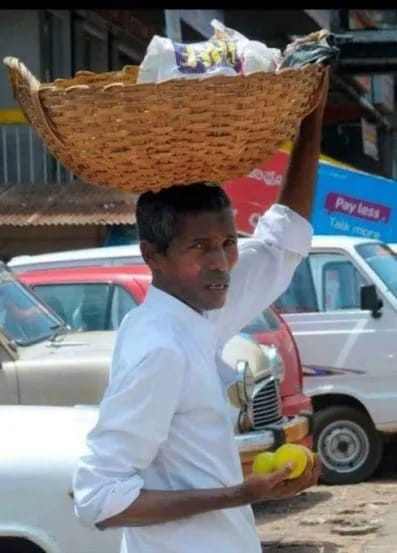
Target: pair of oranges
x=269 y=461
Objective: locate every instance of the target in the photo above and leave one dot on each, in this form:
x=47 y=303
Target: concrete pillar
x=173 y=25
x=321 y=17
x=200 y=20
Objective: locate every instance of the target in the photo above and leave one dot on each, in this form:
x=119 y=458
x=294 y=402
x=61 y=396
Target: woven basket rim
x=127 y=73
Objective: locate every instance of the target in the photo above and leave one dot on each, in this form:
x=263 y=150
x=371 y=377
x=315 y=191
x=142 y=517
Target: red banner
x=253 y=194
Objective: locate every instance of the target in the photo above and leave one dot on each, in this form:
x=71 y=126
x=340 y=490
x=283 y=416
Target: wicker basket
x=108 y=130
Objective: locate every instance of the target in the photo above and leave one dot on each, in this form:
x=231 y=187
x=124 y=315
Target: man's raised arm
x=298 y=189
x=282 y=236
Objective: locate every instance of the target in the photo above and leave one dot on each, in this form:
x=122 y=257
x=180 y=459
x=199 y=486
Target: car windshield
x=265 y=321
x=383 y=261
x=23 y=318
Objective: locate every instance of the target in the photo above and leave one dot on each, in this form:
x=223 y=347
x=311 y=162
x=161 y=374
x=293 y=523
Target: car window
x=338 y=282
x=300 y=296
x=383 y=261
x=84 y=306
x=263 y=322
x=22 y=316
x=122 y=302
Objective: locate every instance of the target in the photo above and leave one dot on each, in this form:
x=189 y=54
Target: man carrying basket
x=162 y=462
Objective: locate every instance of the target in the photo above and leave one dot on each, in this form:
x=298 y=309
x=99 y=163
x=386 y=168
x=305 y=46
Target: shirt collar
x=196 y=323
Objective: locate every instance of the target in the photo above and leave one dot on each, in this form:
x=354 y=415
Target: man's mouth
x=218 y=286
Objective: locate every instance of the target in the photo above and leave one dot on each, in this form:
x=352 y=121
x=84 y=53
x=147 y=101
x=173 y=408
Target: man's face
x=196 y=267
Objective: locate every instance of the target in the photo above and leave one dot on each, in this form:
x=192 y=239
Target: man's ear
x=150 y=254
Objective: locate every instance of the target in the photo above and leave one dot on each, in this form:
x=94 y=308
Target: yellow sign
x=288 y=146
x=12 y=116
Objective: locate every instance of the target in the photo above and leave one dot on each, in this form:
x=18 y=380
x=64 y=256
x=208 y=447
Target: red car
x=97 y=298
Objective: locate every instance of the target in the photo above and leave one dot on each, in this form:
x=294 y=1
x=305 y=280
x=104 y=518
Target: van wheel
x=19 y=545
x=348 y=444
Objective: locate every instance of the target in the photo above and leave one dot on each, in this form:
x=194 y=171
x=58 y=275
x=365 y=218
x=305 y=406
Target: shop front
x=47 y=218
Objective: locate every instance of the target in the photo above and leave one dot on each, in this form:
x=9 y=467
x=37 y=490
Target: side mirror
x=370 y=301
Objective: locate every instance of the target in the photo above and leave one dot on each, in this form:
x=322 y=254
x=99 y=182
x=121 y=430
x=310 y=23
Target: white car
x=109 y=255
x=40 y=446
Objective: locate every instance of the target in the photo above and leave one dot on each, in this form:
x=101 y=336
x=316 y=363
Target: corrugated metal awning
x=74 y=204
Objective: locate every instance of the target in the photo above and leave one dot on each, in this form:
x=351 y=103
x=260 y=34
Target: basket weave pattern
x=109 y=130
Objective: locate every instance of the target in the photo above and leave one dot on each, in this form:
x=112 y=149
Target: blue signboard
x=354 y=203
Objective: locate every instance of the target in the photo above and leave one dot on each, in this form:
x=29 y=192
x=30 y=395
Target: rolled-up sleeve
x=134 y=420
x=267 y=262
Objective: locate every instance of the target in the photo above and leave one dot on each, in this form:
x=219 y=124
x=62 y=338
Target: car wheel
x=349 y=446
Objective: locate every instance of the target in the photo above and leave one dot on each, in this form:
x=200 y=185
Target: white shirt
x=164 y=421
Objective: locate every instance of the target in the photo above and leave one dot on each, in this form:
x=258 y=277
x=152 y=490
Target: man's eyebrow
x=200 y=239
x=207 y=238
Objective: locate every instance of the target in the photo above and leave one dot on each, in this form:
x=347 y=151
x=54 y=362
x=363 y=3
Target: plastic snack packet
x=316 y=47
x=227 y=52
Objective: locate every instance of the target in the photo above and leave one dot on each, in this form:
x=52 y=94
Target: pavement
x=385 y=540
x=356 y=518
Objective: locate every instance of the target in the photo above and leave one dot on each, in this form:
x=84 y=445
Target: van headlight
x=275 y=361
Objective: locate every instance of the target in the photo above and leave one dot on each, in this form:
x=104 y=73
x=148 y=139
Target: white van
x=342 y=308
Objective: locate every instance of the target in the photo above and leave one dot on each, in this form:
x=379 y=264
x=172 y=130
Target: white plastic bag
x=258 y=57
x=227 y=52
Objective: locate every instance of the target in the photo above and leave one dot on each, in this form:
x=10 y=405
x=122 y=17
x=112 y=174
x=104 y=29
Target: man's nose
x=217 y=260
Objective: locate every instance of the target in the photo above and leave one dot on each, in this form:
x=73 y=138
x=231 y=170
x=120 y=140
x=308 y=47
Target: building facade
x=42 y=205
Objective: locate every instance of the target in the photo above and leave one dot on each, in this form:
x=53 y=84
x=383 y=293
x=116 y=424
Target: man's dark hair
x=157 y=212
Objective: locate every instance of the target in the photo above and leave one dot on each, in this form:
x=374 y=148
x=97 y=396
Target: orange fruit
x=292 y=452
x=263 y=462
